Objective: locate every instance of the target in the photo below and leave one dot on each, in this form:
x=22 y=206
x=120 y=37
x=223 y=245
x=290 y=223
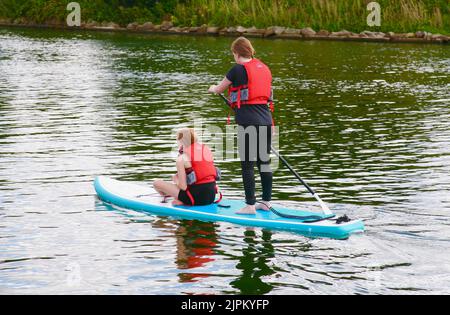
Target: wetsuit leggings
x=254 y=144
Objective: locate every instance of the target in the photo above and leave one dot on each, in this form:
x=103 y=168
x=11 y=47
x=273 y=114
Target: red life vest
x=259 y=87
x=202 y=162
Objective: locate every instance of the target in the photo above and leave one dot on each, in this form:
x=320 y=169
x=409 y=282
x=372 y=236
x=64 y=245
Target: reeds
x=333 y=15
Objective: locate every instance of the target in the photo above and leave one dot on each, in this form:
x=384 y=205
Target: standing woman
x=249 y=84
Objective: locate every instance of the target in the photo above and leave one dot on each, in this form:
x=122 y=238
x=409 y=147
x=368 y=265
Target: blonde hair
x=187 y=137
x=243 y=47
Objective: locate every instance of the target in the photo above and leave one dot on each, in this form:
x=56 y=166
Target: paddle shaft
x=290 y=168
x=294 y=172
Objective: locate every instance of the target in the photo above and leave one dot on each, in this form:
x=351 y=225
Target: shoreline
x=273 y=32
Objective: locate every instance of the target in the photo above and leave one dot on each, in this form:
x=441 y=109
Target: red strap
x=239 y=98
x=220 y=198
x=190 y=196
x=220 y=195
x=230 y=90
x=272 y=109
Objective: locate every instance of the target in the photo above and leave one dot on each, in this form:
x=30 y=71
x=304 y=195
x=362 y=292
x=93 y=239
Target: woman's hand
x=212 y=89
x=175 y=179
x=218 y=89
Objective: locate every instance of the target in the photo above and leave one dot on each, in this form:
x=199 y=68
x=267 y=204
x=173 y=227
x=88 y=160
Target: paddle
x=324 y=207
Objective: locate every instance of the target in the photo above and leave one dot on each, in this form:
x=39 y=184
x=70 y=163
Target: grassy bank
x=54 y=11
x=333 y=15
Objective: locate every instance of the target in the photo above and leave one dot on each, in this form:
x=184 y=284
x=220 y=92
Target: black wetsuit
x=255 y=139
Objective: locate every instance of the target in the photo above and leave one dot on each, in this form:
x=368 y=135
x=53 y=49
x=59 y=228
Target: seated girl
x=195 y=181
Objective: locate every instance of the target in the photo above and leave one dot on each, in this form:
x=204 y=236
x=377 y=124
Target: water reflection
x=366 y=124
x=254 y=264
x=196 y=242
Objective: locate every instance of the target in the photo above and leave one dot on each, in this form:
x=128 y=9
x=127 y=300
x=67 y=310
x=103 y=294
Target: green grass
x=333 y=15
x=40 y=11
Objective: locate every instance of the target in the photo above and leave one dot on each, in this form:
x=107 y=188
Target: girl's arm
x=181 y=172
x=218 y=89
x=175 y=179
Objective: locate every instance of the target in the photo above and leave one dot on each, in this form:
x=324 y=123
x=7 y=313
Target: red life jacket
x=202 y=162
x=259 y=87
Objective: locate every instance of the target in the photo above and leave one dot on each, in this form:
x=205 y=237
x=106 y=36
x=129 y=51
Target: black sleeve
x=237 y=75
x=231 y=75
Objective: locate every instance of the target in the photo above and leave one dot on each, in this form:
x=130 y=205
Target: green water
x=366 y=124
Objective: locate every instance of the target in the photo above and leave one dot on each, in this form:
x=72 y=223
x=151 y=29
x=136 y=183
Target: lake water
x=367 y=124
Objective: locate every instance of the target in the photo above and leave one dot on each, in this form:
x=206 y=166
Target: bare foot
x=249 y=209
x=177 y=203
x=263 y=205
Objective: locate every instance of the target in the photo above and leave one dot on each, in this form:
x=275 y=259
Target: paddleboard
x=144 y=198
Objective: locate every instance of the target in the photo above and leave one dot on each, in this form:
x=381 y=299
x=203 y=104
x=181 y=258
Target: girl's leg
x=267 y=182
x=248 y=177
x=264 y=149
x=247 y=136
x=166 y=189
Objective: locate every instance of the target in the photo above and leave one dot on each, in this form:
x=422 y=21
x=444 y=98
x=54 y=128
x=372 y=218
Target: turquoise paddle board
x=145 y=199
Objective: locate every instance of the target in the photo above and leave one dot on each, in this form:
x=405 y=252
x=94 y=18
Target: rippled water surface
x=367 y=124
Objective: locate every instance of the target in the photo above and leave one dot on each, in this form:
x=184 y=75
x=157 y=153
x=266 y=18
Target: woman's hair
x=243 y=47
x=187 y=136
